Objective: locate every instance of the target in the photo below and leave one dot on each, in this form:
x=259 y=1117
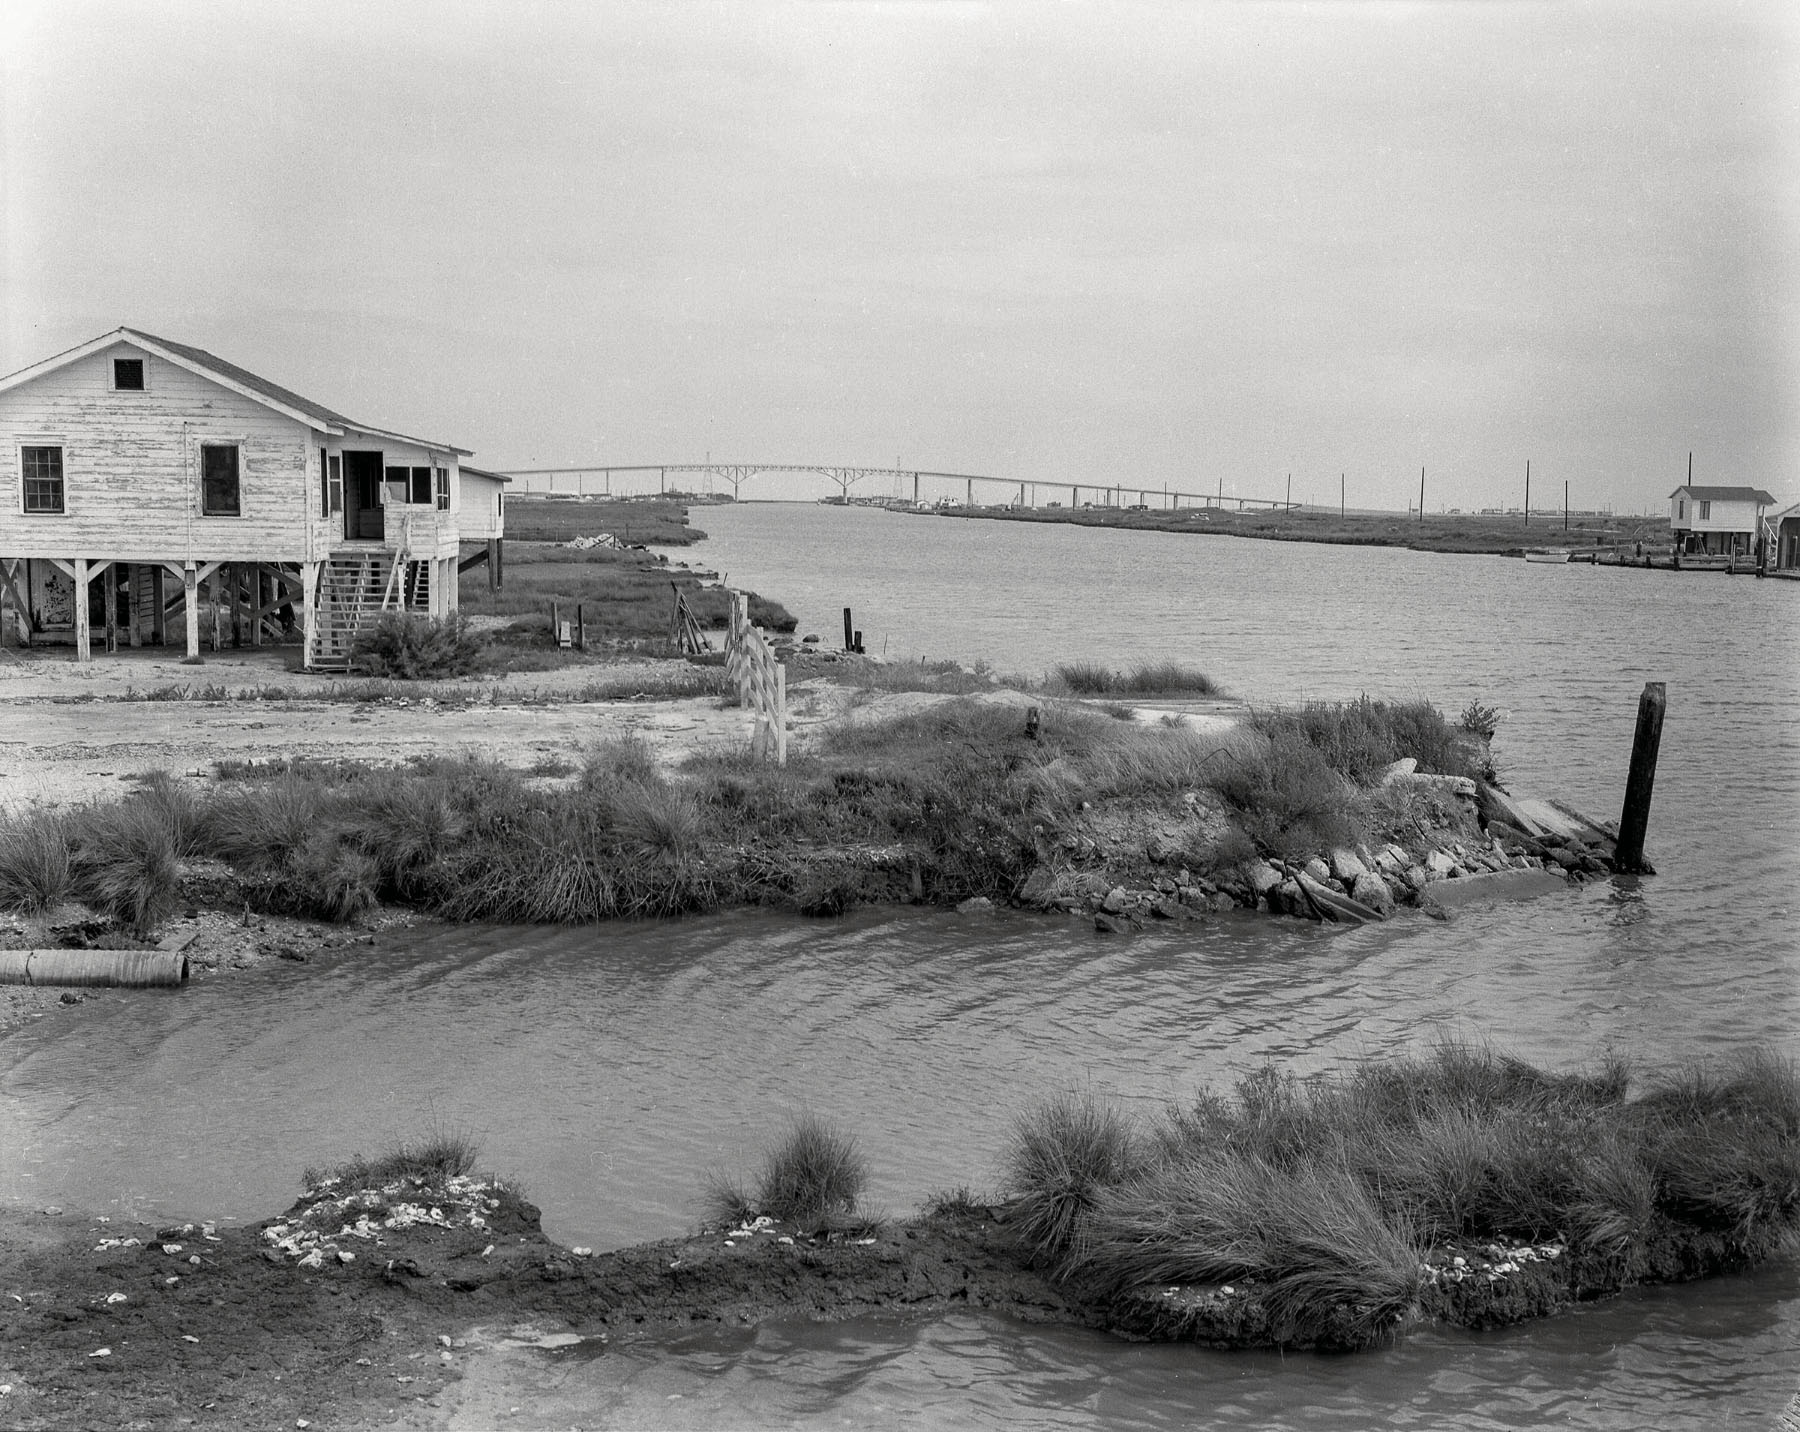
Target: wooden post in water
x=849 y=642
x=1628 y=853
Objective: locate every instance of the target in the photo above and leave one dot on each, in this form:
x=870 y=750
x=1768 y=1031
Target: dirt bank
x=371 y=1309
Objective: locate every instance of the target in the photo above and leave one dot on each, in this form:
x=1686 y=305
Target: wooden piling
x=849 y=643
x=1628 y=855
x=109 y=592
x=581 y=626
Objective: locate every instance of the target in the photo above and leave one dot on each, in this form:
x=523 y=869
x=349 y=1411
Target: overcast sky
x=1198 y=244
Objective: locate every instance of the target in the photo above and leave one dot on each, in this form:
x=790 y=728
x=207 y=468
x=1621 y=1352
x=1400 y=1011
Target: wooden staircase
x=355 y=588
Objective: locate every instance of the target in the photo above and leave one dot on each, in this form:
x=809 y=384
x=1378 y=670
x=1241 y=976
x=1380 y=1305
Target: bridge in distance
x=598 y=481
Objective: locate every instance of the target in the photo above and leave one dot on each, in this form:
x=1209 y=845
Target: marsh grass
x=124 y=862
x=938 y=804
x=1327 y=1192
x=434 y=1157
x=1360 y=739
x=1159 y=678
x=1066 y=1151
x=814 y=1176
x=36 y=874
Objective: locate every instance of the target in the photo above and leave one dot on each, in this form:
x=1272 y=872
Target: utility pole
x=1341 y=481
x=1528 y=492
x=1565 y=504
x=1290 y=496
x=1421 y=497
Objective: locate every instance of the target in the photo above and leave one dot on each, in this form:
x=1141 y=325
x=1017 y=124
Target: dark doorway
x=362 y=497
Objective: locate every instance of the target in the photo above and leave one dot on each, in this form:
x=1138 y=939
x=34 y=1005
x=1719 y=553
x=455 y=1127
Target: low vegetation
x=647 y=521
x=814 y=1176
x=626 y=597
x=405 y=646
x=430 y=1159
x=957 y=800
x=1465 y=532
x=1338 y=1201
x=1161 y=678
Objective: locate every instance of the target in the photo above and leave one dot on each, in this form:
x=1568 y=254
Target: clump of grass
x=1287 y=797
x=405 y=646
x=432 y=1159
x=36 y=874
x=1065 y=1151
x=1312 y=1236
x=1327 y=1193
x=1360 y=739
x=124 y=863
x=815 y=1175
x=624 y=760
x=1156 y=678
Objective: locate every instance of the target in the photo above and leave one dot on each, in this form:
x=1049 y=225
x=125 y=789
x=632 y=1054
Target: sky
x=1196 y=245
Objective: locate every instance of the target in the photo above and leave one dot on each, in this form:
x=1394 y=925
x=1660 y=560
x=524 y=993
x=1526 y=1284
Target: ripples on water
x=610 y=1066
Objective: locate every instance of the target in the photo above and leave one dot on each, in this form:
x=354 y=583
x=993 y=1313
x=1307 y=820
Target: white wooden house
x=1717 y=521
x=150 y=479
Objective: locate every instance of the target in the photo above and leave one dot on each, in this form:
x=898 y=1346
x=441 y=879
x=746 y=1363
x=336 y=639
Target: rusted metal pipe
x=126 y=969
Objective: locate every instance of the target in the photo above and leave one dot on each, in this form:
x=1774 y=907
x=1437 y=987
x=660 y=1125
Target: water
x=610 y=1067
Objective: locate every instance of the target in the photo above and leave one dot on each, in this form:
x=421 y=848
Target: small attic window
x=128 y=375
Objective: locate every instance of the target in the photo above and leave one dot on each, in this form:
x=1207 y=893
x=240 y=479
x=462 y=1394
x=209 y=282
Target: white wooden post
x=190 y=587
x=82 y=633
x=309 y=612
x=780 y=714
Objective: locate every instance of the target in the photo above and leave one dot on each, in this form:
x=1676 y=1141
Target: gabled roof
x=228 y=375
x=1726 y=494
x=468 y=471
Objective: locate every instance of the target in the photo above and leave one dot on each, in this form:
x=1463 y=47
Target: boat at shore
x=1558 y=555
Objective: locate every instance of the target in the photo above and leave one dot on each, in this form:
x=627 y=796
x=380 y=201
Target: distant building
x=1717 y=521
x=1784 y=527
x=147 y=481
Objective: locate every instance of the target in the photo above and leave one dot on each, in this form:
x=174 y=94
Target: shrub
x=408 y=647
x=35 y=871
x=124 y=863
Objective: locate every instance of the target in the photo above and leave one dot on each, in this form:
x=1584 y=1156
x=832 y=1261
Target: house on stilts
x=156 y=486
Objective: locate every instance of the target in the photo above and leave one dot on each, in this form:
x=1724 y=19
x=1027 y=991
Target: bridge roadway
x=576 y=481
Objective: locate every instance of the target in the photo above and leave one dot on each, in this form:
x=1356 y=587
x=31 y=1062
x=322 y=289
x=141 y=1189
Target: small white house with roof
x=1717 y=521
x=152 y=480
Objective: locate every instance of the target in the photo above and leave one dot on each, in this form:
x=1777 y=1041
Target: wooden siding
x=131 y=467
x=482 y=515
